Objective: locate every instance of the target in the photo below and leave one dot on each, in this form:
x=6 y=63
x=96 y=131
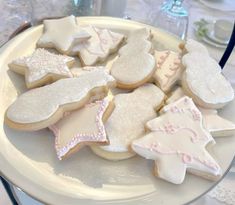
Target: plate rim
x=10 y=43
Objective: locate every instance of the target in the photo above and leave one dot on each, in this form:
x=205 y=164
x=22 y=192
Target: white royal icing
x=41 y=103
x=99 y=46
x=62 y=34
x=81 y=126
x=168 y=69
x=135 y=63
x=215 y=124
x=203 y=80
x=132 y=111
x=177 y=142
x=42 y=63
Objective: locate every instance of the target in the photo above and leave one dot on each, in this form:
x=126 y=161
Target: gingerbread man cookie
x=42 y=67
x=168 y=69
x=62 y=34
x=127 y=122
x=135 y=65
x=203 y=80
x=44 y=106
x=82 y=127
x=177 y=142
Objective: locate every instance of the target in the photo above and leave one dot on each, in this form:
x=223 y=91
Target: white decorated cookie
x=62 y=34
x=77 y=71
x=42 y=67
x=177 y=142
x=127 y=121
x=135 y=65
x=82 y=127
x=203 y=80
x=168 y=69
x=44 y=106
x=215 y=124
x=102 y=43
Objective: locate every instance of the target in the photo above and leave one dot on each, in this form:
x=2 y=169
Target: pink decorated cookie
x=168 y=69
x=42 y=67
x=62 y=34
x=177 y=143
x=82 y=127
x=102 y=43
x=127 y=121
x=44 y=106
x=135 y=64
x=203 y=80
x=215 y=124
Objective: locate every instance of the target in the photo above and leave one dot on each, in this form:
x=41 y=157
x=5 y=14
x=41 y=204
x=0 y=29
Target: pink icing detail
x=82 y=137
x=175 y=109
x=207 y=163
x=195 y=114
x=169 y=128
x=175 y=69
x=185 y=157
x=156 y=146
x=194 y=137
x=163 y=59
x=102 y=42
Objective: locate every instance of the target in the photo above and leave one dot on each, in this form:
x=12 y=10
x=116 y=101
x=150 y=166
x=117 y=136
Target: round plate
x=28 y=159
x=209 y=41
x=220 y=5
x=211 y=35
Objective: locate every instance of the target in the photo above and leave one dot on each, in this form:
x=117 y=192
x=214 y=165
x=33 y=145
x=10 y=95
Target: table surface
x=15 y=12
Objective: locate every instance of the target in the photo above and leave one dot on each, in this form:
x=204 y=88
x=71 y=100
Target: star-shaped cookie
x=62 y=34
x=82 y=127
x=217 y=125
x=102 y=43
x=177 y=142
x=42 y=67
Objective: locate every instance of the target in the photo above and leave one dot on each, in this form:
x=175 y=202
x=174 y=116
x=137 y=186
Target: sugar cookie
x=127 y=122
x=82 y=127
x=215 y=124
x=42 y=67
x=168 y=69
x=102 y=43
x=177 y=142
x=203 y=80
x=62 y=34
x=135 y=65
x=44 y=106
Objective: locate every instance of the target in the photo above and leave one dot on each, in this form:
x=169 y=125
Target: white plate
x=210 y=42
x=221 y=5
x=28 y=159
x=211 y=34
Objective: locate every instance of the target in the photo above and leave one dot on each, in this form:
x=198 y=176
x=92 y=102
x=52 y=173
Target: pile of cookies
x=161 y=105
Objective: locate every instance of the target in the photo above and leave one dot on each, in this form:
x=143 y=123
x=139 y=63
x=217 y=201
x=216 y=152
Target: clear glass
x=173 y=17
